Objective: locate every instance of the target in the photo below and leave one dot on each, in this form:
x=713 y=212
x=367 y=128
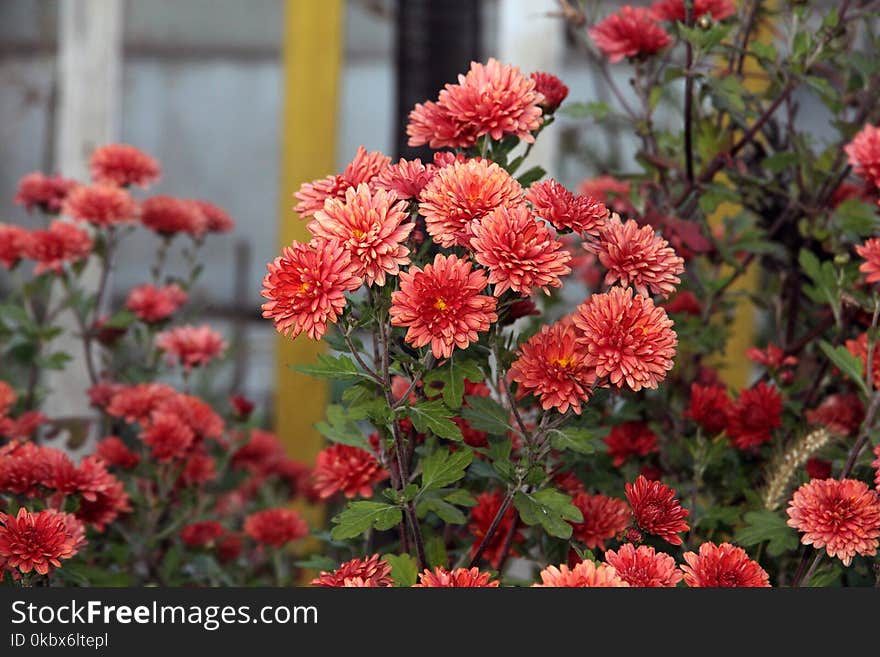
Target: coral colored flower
x=637 y=256
x=461 y=193
x=371 y=226
x=190 y=346
x=35 y=541
x=217 y=220
x=457 y=578
x=773 y=357
x=372 y=571
x=167 y=436
x=655 y=509
x=722 y=565
x=155 y=304
x=13 y=244
x=22 y=427
x=674 y=10
x=7 y=397
x=818 y=468
x=482 y=515
x=519 y=250
x=433 y=124
x=585 y=574
x=198 y=469
x=275 y=527
x=364 y=168
x=644 y=567
x=100 y=205
x=754 y=416
x=859 y=349
x=684 y=302
x=604 y=518
x=565 y=210
x=306 y=287
x=709 y=407
x=864 y=154
x=843 y=516
x=195 y=413
x=629 y=33
x=37 y=190
x=135 y=403
x=168 y=216
x=201 y=534
x=870 y=252
x=242 y=407
x=102 y=496
x=116 y=453
x=630 y=439
x=442 y=306
x=407 y=178
x=123 y=165
x=551 y=365
x=841 y=414
x=552 y=88
x=62 y=243
x=349 y=470
x=626 y=338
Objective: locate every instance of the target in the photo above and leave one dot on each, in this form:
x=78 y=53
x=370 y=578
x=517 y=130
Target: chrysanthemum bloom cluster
x=723 y=565
x=190 y=346
x=276 y=527
x=168 y=216
x=870 y=252
x=566 y=211
x=457 y=578
x=552 y=88
x=864 y=154
x=153 y=304
x=644 y=567
x=371 y=572
x=674 y=10
x=583 y=575
x=62 y=243
x=841 y=414
x=349 y=470
x=656 y=510
x=603 y=518
x=630 y=439
x=754 y=415
x=123 y=165
x=493 y=99
x=102 y=205
x=116 y=453
x=631 y=32
x=843 y=516
x=201 y=534
x=46 y=193
x=37 y=541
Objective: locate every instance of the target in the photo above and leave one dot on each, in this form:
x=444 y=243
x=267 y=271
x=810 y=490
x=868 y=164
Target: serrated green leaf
x=444 y=510
x=361 y=516
x=486 y=414
x=433 y=417
x=767 y=526
x=340 y=428
x=461 y=497
x=332 y=367
x=404 y=570
x=847 y=363
x=453 y=375
x=577 y=440
x=443 y=467
x=549 y=508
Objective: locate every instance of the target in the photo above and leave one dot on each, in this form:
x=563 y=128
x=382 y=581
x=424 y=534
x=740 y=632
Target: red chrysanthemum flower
x=201 y=534
x=407 y=178
x=167 y=437
x=442 y=306
x=674 y=10
x=123 y=165
x=457 y=578
x=198 y=469
x=630 y=439
x=519 y=250
x=841 y=414
x=723 y=565
x=349 y=470
x=22 y=427
x=100 y=205
x=754 y=416
x=364 y=168
x=583 y=575
x=35 y=541
x=135 y=403
x=242 y=406
x=604 y=518
x=611 y=192
x=864 y=154
x=62 y=243
x=644 y=567
x=433 y=124
x=565 y=210
x=551 y=366
x=102 y=496
x=709 y=407
x=7 y=397
x=37 y=190
x=627 y=338
x=818 y=468
x=372 y=571
x=870 y=252
x=217 y=220
x=655 y=509
x=168 y=216
x=190 y=346
x=23 y=468
x=552 y=88
x=686 y=303
x=13 y=244
x=631 y=32
x=482 y=515
x=306 y=287
x=195 y=413
x=116 y=453
x=859 y=349
x=229 y=547
x=371 y=226
x=74 y=527
x=462 y=192
x=772 y=358
x=155 y=304
x=276 y=527
x=637 y=256
x=843 y=516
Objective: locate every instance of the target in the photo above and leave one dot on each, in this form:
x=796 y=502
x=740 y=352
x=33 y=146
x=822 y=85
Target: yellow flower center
x=305 y=287
x=358 y=233
x=440 y=304
x=563 y=362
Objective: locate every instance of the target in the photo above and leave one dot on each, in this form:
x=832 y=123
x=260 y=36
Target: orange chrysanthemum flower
x=276 y=527
x=346 y=469
x=457 y=578
x=551 y=366
x=442 y=305
x=644 y=567
x=627 y=338
x=372 y=572
x=306 y=287
x=101 y=205
x=655 y=509
x=864 y=154
x=35 y=541
x=190 y=346
x=519 y=250
x=637 y=256
x=604 y=518
x=629 y=33
x=462 y=192
x=565 y=210
x=371 y=226
x=583 y=575
x=62 y=243
x=123 y=165
x=843 y=516
x=432 y=124
x=407 y=178
x=673 y=10
x=155 y=304
x=167 y=437
x=630 y=439
x=364 y=168
x=870 y=251
x=723 y=565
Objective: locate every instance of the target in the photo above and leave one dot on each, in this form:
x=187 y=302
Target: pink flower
x=169 y=216
x=407 y=178
x=13 y=244
x=584 y=574
x=723 y=565
x=864 y=154
x=629 y=33
x=123 y=165
x=37 y=190
x=155 y=304
x=190 y=346
x=642 y=566
x=364 y=168
x=566 y=211
x=552 y=88
x=674 y=10
x=62 y=243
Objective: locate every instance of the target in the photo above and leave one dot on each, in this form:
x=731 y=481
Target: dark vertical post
x=436 y=40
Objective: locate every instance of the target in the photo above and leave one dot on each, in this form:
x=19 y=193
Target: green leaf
x=767 y=526
x=121 y=319
x=435 y=552
x=433 y=416
x=850 y=365
x=317 y=562
x=596 y=109
x=444 y=510
x=404 y=570
x=532 y=175
x=443 y=467
x=461 y=497
x=340 y=428
x=577 y=440
x=452 y=376
x=486 y=414
x=550 y=509
x=359 y=517
x=332 y=367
